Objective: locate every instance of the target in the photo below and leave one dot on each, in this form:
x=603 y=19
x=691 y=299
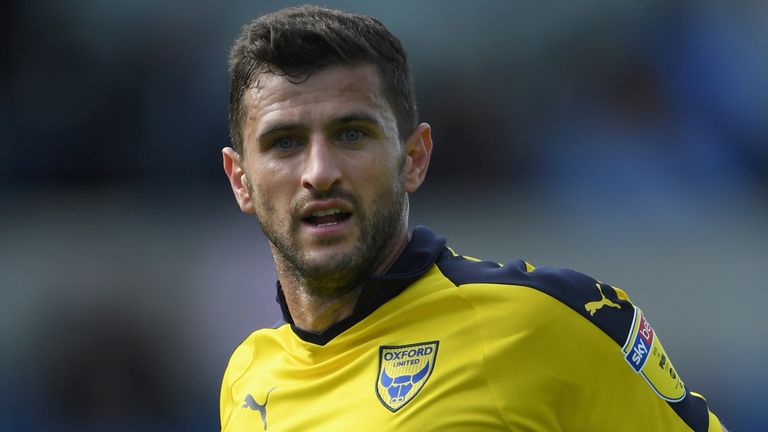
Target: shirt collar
x=418 y=256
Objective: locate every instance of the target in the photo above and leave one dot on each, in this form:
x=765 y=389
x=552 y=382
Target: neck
x=315 y=313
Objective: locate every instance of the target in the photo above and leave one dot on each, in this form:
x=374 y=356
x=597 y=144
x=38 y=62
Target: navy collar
x=418 y=256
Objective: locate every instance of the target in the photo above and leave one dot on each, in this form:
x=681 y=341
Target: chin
x=331 y=258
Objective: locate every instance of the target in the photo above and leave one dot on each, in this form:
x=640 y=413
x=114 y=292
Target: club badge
x=403 y=372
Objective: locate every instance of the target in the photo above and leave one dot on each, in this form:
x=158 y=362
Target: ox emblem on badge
x=403 y=372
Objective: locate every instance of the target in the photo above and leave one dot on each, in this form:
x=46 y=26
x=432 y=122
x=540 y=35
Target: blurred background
x=625 y=139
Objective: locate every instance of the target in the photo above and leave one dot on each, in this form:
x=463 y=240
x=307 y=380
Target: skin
x=330 y=142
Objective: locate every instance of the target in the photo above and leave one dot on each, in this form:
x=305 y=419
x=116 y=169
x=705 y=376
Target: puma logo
x=251 y=403
x=593 y=306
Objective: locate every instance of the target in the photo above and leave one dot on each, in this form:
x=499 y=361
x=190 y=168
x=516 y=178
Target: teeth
x=326 y=212
x=327 y=224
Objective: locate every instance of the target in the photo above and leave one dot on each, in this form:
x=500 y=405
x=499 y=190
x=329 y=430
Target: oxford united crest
x=403 y=372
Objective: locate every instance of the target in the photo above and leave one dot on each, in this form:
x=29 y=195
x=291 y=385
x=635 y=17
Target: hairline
x=265 y=69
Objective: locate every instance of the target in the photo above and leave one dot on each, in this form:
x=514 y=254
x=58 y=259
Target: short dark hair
x=297 y=41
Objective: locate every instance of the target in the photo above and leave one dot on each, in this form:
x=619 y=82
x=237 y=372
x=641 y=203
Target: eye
x=285 y=143
x=351 y=135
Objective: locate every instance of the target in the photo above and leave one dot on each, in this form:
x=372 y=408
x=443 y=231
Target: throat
x=316 y=314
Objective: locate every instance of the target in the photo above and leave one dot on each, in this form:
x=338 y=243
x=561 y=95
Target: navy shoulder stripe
x=580 y=292
x=596 y=301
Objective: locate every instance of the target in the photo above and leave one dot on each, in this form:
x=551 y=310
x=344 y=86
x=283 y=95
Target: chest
x=395 y=374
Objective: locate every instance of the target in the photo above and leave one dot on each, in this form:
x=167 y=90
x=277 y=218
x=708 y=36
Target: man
x=386 y=330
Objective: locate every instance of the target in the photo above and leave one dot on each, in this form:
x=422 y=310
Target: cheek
x=382 y=177
x=258 y=189
x=269 y=184
x=267 y=196
x=386 y=162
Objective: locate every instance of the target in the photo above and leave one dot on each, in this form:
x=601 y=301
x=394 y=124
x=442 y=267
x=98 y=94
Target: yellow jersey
x=444 y=342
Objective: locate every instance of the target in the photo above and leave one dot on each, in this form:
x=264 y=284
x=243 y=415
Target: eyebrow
x=294 y=126
x=356 y=117
x=281 y=127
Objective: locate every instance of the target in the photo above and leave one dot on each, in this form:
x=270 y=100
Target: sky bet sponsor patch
x=403 y=372
x=644 y=353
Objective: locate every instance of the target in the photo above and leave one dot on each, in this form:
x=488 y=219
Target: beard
x=340 y=273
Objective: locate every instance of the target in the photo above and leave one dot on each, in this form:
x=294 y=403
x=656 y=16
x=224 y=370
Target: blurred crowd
x=113 y=93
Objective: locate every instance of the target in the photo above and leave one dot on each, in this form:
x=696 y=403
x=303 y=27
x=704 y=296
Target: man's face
x=324 y=171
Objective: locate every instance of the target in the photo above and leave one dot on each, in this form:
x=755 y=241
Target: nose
x=321 y=168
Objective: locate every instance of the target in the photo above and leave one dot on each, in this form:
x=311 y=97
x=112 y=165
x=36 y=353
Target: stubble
x=338 y=274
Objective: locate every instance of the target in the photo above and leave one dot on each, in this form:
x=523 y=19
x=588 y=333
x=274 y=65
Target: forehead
x=329 y=92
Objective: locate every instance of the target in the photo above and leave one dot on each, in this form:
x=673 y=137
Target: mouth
x=328 y=217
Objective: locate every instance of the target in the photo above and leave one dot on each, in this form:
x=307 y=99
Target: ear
x=233 y=167
x=418 y=150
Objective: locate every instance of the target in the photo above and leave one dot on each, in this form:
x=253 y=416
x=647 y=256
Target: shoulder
x=238 y=364
x=245 y=354
x=240 y=360
x=606 y=306
x=543 y=296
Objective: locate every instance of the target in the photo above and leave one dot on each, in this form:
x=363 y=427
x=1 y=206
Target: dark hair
x=298 y=41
